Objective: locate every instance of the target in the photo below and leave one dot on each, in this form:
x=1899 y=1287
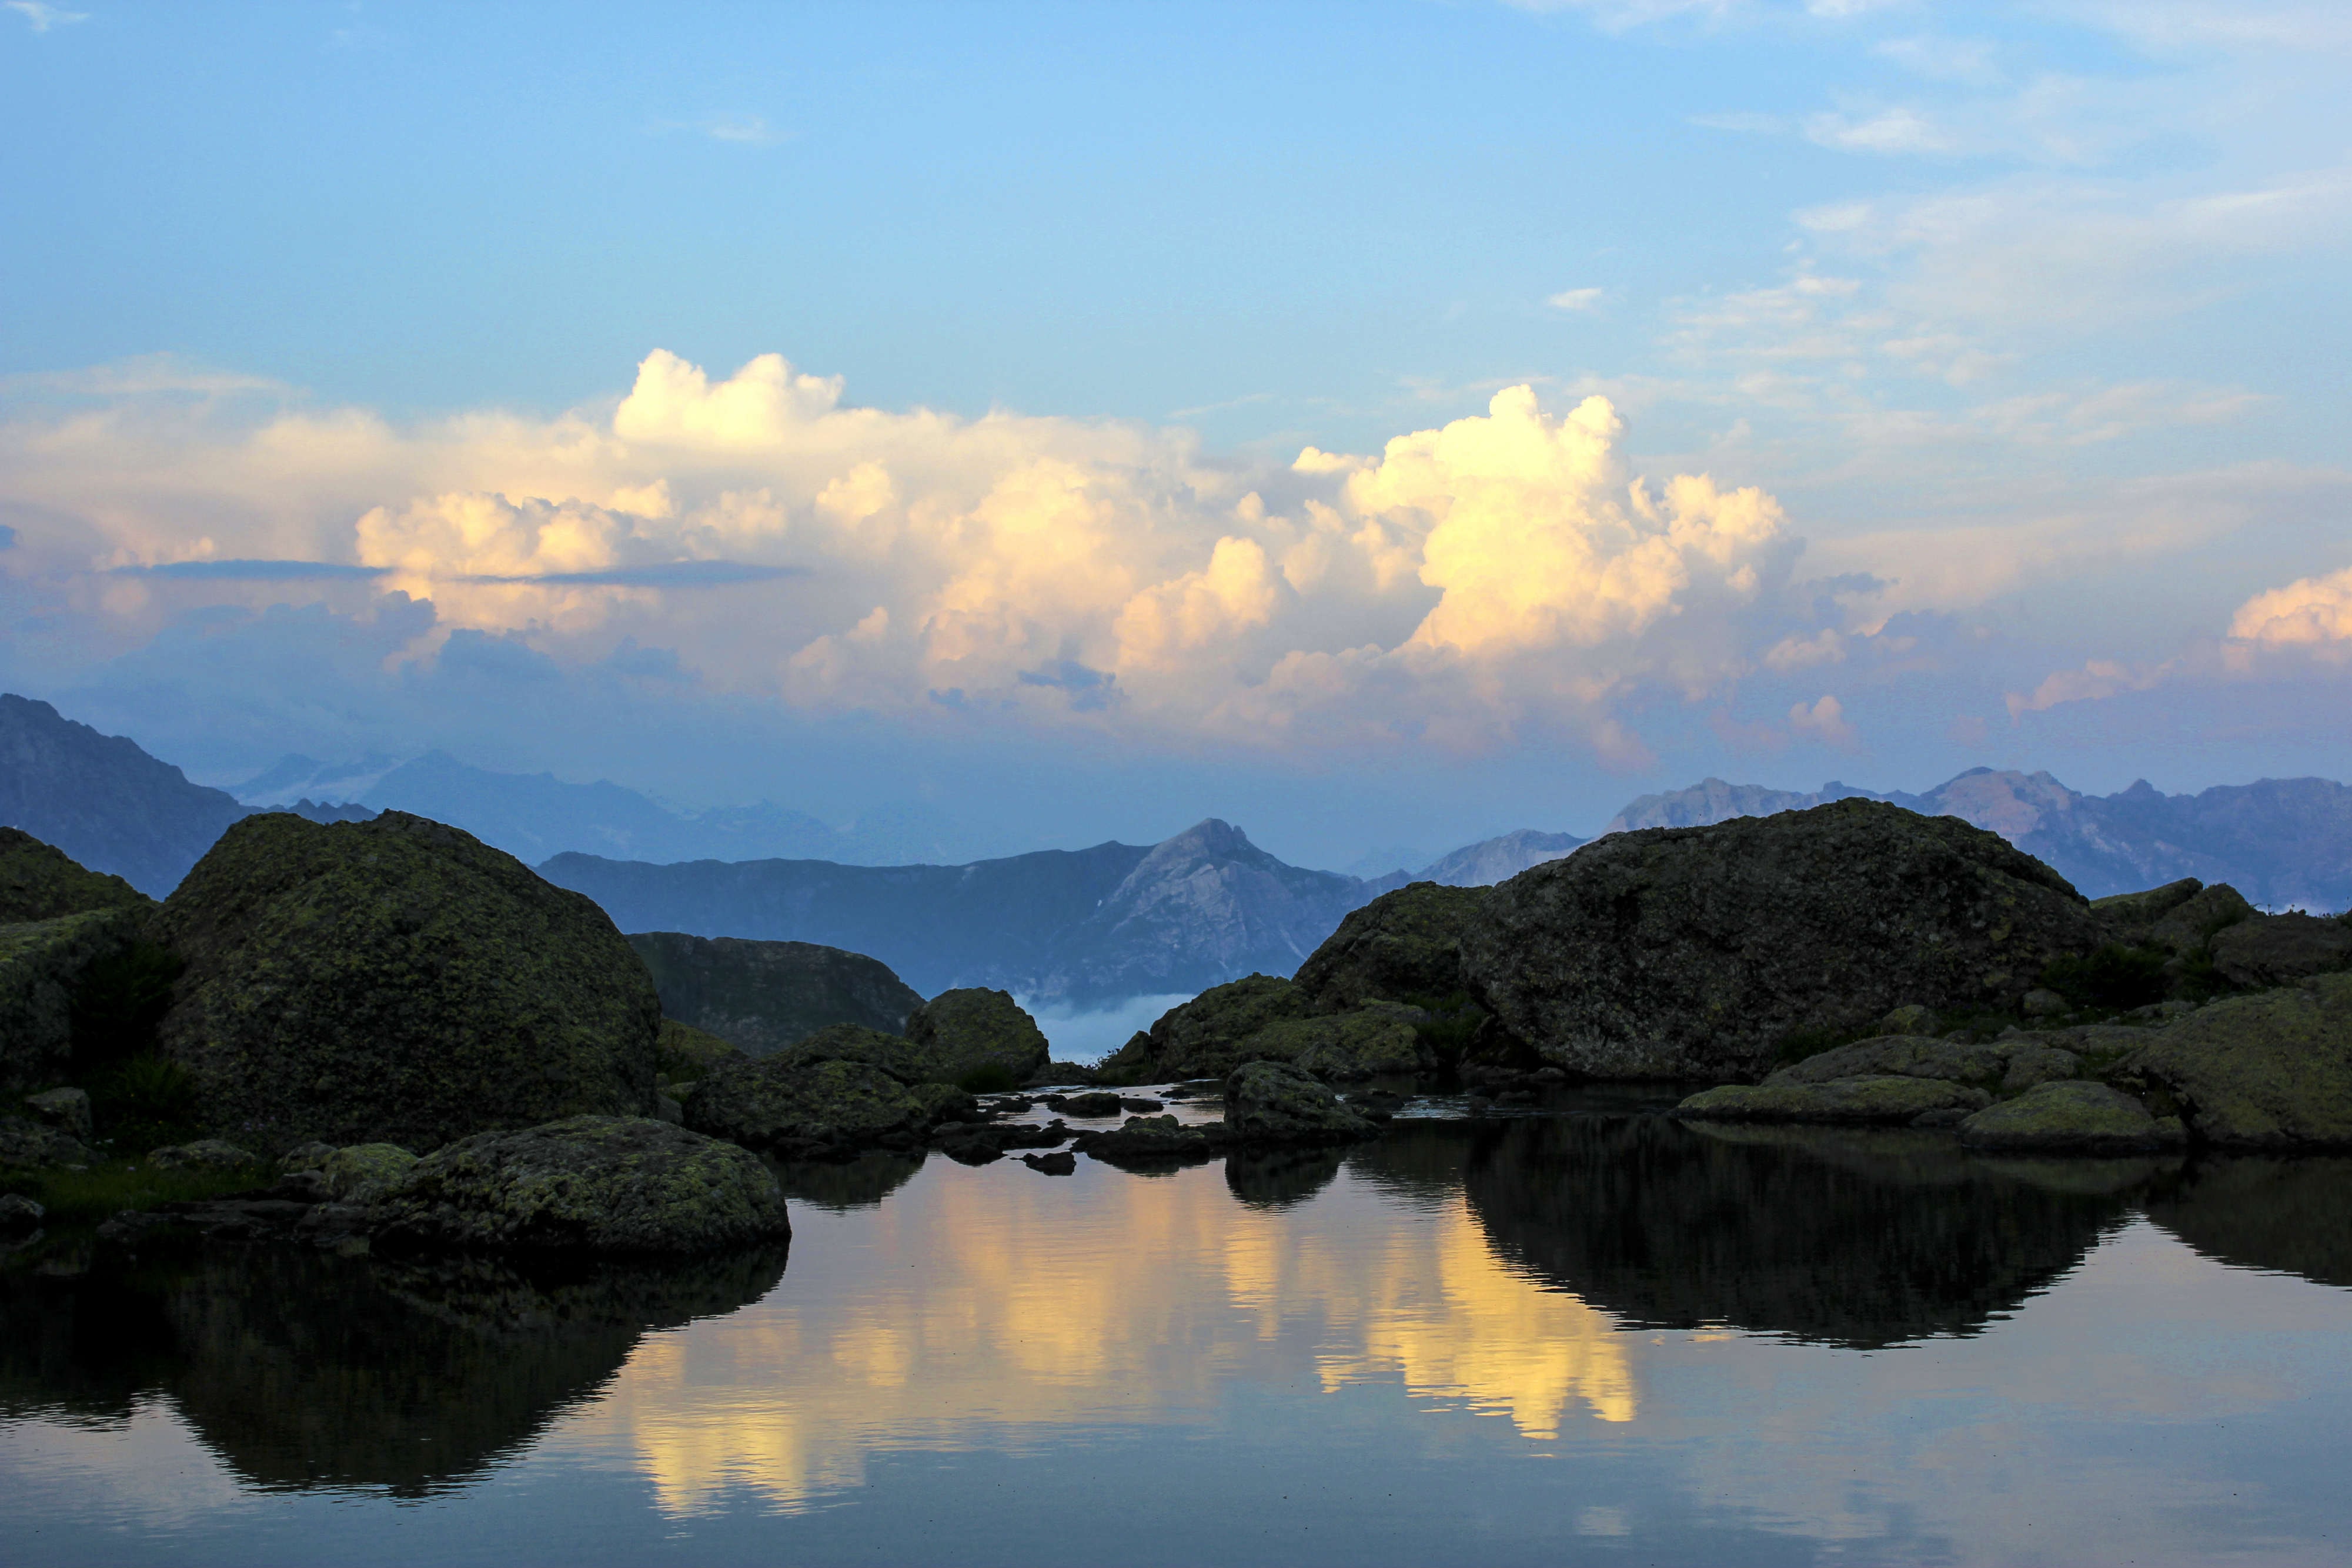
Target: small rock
x=67 y=1110
x=2032 y=1064
x=1911 y=1017
x=1275 y=1103
x=2043 y=1003
x=1843 y=1101
x=1061 y=1163
x=1099 y=1102
x=365 y=1172
x=1141 y=1104
x=204 y=1154
x=30 y=1143
x=19 y=1215
x=2071 y=1117
x=307 y=1157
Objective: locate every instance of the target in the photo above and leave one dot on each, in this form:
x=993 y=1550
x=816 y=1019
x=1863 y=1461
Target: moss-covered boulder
x=1403 y=946
x=1202 y=1038
x=2187 y=926
x=1275 y=1103
x=1370 y=1041
x=2131 y=914
x=973 y=1034
x=2074 y=1118
x=683 y=1051
x=1882 y=1100
x=764 y=996
x=587 y=1184
x=1703 y=952
x=2013 y=1062
x=2267 y=1072
x=396 y=980
x=44 y=966
x=803 y=1107
x=39 y=881
x=366 y=1172
x=2280 y=949
x=203 y=1154
x=29 y=1145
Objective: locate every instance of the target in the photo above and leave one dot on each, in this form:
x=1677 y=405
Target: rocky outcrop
x=38 y=882
x=1403 y=946
x=1263 y=1018
x=2267 y=1072
x=1275 y=1103
x=29 y=1145
x=2074 y=1118
x=1372 y=1041
x=974 y=1033
x=396 y=979
x=1702 y=952
x=588 y=1184
x=761 y=997
x=841 y=1090
x=1882 y=1100
x=2281 y=949
x=43 y=966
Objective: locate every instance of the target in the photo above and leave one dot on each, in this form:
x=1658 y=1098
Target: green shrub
x=989 y=1078
x=145 y=1103
x=1451 y=1024
x=2114 y=977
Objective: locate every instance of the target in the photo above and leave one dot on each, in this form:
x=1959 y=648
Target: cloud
x=42 y=17
x=2314 y=611
x=1825 y=721
x=1574 y=299
x=2096 y=680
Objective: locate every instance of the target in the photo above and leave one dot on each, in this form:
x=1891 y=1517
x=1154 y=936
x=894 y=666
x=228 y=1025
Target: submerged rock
x=594 y=1183
x=761 y=997
x=1403 y=946
x=1700 y=952
x=974 y=1033
x=1149 y=1140
x=1883 y=1101
x=2267 y=1072
x=396 y=979
x=2071 y=1118
x=1276 y=1103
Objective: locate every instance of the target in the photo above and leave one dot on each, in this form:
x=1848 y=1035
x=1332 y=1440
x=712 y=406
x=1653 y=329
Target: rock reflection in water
x=1854 y=1239
x=2288 y=1216
x=1277 y=1178
x=844 y=1186
x=303 y=1369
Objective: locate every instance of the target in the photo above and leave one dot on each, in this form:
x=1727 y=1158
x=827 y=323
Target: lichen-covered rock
x=764 y=996
x=2270 y=1071
x=30 y=1144
x=1201 y=1038
x=1403 y=946
x=970 y=1033
x=1885 y=1100
x=800 y=1107
x=203 y=1154
x=66 y=1110
x=1699 y=952
x=1344 y=1047
x=365 y=1172
x=682 y=1051
x=2132 y=913
x=43 y=962
x=1147 y=1141
x=2190 y=925
x=396 y=979
x=2280 y=949
x=2071 y=1118
x=2010 y=1064
x=1909 y=1019
x=40 y=881
x=1276 y=1103
x=591 y=1183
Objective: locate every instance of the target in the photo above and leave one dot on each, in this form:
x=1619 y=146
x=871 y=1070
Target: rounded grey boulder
x=969 y=1031
x=2070 y=1116
x=1275 y=1103
x=591 y=1183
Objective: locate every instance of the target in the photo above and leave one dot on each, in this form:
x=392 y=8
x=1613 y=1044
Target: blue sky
x=1145 y=441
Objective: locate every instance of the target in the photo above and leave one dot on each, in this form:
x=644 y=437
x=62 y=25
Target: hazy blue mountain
x=1495 y=860
x=294 y=777
x=1116 y=920
x=102 y=799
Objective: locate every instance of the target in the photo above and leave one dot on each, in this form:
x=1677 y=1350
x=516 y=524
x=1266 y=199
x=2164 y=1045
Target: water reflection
x=2293 y=1217
x=301 y=1368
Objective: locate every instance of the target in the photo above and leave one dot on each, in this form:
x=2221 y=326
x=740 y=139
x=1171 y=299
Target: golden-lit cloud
x=2312 y=611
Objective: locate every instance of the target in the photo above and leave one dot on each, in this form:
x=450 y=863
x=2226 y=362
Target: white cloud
x=41 y=18
x=1574 y=299
x=1825 y=721
x=2310 y=611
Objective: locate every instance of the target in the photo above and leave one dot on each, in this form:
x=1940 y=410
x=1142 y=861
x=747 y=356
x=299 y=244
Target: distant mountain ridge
x=103 y=800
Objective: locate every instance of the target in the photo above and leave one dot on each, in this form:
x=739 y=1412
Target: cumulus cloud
x=2314 y=611
x=1466 y=580
x=1825 y=721
x=1575 y=299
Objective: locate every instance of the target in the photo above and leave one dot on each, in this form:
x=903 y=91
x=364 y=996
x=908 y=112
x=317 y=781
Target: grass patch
x=144 y=1102
x=106 y=1189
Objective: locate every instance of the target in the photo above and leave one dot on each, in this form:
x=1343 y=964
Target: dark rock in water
x=1891 y=1101
x=1845 y=1235
x=1062 y=1163
x=2071 y=1118
x=685 y=1053
x=396 y=979
x=2256 y=1211
x=973 y=1033
x=799 y=1106
x=1149 y=1142
x=976 y=1143
x=1275 y=1103
x=31 y=1145
x=1140 y=1106
x=1099 y=1103
x=2281 y=949
x=591 y=1183
x=761 y=997
x=38 y=882
x=1403 y=946
x=43 y=966
x=1277 y=1179
x=2270 y=1070
x=1701 y=952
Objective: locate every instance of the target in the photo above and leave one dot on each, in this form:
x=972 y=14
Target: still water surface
x=1597 y=1336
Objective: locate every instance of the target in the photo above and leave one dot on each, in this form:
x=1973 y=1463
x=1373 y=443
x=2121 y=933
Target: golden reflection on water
x=996 y=1309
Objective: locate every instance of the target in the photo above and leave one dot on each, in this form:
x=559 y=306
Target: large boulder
x=764 y=996
x=396 y=980
x=1370 y=1041
x=45 y=965
x=1275 y=1103
x=1892 y=1099
x=1202 y=1038
x=39 y=881
x=683 y=1051
x=840 y=1089
x=2074 y=1118
x=2280 y=949
x=1403 y=946
x=1703 y=952
x=591 y=1184
x=25 y=1143
x=2270 y=1071
x=974 y=1033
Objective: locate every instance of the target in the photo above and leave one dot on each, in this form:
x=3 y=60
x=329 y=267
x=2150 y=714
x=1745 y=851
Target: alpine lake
x=1585 y=1331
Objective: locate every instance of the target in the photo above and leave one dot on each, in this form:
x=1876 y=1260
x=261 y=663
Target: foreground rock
x=30 y=1146
x=40 y=881
x=2281 y=949
x=2008 y=1065
x=398 y=980
x=1276 y=1103
x=2074 y=1118
x=1151 y=1143
x=1403 y=946
x=2270 y=1070
x=761 y=997
x=1262 y=1018
x=1701 y=952
x=1887 y=1101
x=43 y=965
x=979 y=1039
x=840 y=1091
x=595 y=1184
